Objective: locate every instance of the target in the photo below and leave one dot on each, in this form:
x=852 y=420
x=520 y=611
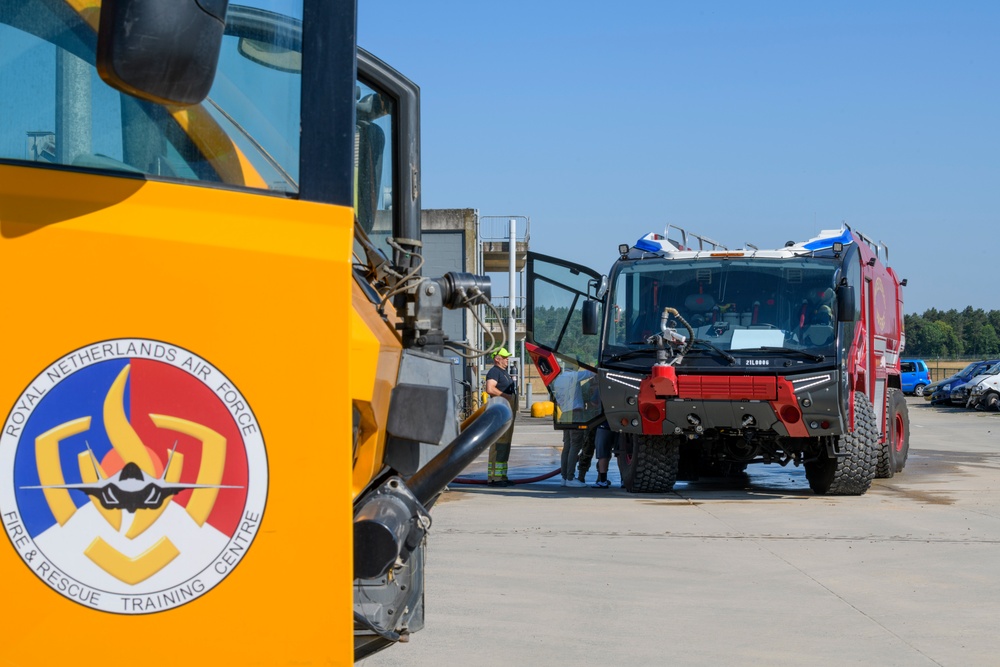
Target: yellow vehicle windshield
x=58 y=111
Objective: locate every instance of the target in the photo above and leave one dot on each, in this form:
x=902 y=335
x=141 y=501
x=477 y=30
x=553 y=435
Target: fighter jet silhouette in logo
x=131 y=489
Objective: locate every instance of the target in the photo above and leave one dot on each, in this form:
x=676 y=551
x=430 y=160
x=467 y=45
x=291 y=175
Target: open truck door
x=565 y=309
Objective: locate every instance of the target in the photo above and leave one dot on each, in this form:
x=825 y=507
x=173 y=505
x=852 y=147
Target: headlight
x=978 y=389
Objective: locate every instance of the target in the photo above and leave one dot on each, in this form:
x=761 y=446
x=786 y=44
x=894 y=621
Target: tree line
x=953 y=334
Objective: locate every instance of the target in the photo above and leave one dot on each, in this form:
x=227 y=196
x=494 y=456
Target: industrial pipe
x=432 y=479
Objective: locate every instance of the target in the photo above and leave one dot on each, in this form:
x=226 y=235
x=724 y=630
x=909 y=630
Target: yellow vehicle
x=220 y=362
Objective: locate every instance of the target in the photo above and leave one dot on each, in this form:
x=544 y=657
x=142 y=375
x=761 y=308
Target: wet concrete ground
x=530 y=459
x=762 y=572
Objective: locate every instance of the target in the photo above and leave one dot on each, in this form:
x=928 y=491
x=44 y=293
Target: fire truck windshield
x=752 y=306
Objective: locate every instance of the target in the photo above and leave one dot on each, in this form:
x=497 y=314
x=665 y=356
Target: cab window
x=373 y=162
x=58 y=112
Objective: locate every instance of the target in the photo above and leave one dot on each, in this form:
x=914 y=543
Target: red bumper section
x=664 y=384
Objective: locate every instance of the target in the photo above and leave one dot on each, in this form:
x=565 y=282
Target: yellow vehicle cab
x=211 y=406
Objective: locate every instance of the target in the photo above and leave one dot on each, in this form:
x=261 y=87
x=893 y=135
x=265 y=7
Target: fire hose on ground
x=526 y=480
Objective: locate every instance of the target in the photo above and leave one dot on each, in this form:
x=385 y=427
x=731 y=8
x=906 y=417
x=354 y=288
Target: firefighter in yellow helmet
x=500 y=383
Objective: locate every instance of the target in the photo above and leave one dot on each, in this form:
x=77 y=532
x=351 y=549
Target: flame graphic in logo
x=140 y=482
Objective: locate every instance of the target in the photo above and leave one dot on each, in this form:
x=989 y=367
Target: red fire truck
x=710 y=359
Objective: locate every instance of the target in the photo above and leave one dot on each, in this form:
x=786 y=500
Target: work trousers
x=586 y=454
x=573 y=441
x=496 y=468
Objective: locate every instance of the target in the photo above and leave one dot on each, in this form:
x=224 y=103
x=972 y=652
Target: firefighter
x=500 y=383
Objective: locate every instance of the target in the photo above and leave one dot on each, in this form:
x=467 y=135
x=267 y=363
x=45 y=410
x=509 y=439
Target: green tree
x=931 y=339
x=983 y=341
x=953 y=333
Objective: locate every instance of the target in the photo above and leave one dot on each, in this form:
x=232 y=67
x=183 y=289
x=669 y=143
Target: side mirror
x=164 y=51
x=847 y=308
x=591 y=317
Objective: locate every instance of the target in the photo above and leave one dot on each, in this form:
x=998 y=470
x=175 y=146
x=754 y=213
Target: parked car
x=939 y=393
x=986 y=394
x=961 y=395
x=914 y=376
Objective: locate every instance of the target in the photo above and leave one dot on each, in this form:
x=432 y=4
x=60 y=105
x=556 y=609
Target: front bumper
x=800 y=405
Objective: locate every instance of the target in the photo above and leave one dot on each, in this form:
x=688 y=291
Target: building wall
x=439 y=228
x=450 y=238
x=444 y=251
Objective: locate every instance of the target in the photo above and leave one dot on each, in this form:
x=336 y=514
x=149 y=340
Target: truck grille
x=727 y=387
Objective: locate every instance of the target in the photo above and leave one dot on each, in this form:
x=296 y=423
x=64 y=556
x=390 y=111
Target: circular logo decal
x=880 y=306
x=133 y=476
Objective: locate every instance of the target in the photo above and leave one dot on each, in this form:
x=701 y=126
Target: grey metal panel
x=444 y=252
x=419 y=368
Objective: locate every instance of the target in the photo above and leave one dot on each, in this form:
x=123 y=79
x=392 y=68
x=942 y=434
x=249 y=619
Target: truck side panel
x=256 y=286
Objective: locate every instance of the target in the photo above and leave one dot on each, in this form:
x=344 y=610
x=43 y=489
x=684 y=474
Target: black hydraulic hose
x=526 y=480
x=432 y=479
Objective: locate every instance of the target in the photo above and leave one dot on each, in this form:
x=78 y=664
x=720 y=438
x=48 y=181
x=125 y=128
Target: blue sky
x=757 y=122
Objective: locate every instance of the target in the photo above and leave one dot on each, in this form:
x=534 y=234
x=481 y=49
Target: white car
x=985 y=395
x=963 y=395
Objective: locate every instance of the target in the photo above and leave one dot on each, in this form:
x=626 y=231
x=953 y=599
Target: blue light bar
x=654 y=242
x=823 y=242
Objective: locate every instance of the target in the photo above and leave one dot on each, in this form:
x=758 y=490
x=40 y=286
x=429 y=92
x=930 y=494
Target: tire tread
x=852 y=474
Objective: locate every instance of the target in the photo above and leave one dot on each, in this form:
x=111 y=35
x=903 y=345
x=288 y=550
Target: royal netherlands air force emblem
x=133 y=476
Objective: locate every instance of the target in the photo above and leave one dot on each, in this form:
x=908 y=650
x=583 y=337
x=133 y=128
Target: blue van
x=914 y=376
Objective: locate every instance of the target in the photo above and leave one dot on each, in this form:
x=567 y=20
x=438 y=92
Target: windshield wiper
x=718 y=350
x=256 y=144
x=630 y=354
x=807 y=355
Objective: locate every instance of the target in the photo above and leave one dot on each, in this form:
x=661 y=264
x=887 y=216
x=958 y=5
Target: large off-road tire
x=898 y=428
x=851 y=474
x=648 y=463
x=893 y=452
x=886 y=464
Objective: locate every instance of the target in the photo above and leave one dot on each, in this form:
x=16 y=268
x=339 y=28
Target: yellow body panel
x=371 y=383
x=259 y=287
